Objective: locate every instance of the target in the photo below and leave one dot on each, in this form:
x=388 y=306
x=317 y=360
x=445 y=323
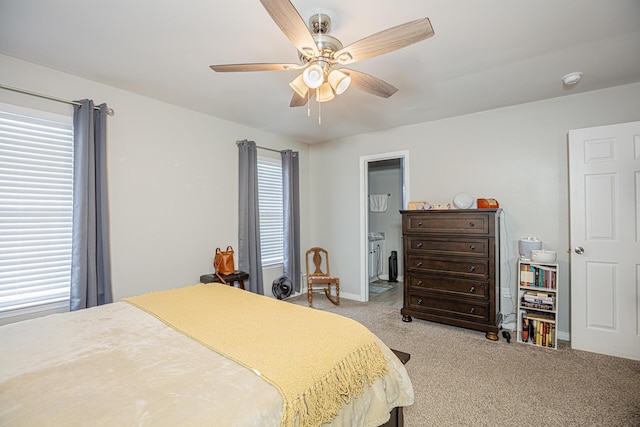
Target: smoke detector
x=572 y=78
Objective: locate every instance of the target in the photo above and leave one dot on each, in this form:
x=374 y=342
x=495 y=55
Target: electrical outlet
x=506 y=293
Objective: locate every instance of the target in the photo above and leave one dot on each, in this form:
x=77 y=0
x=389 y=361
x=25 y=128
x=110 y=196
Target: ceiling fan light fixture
x=299 y=86
x=324 y=93
x=313 y=76
x=339 y=81
x=319 y=53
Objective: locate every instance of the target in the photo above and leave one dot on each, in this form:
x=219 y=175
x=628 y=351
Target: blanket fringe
x=321 y=402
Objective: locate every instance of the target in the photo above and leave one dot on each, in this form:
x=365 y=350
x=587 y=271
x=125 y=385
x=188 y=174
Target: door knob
x=579 y=250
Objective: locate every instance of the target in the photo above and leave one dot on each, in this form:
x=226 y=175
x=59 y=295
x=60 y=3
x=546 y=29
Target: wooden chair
x=321 y=274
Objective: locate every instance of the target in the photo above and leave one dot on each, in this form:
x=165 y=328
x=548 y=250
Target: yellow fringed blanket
x=317 y=360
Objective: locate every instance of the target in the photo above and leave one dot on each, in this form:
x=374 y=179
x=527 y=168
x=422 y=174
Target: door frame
x=364 y=208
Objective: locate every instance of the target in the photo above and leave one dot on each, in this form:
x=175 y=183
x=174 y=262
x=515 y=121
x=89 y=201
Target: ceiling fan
x=322 y=56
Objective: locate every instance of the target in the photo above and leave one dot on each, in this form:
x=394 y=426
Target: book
x=525 y=329
x=538 y=300
x=538 y=276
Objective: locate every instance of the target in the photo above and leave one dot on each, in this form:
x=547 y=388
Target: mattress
x=117 y=365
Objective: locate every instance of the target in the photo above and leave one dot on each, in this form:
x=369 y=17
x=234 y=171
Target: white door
x=604 y=187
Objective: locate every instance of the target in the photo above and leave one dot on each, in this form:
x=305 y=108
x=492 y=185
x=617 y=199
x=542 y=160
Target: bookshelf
x=537 y=304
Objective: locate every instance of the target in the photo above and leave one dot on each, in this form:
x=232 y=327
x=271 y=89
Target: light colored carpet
x=462 y=379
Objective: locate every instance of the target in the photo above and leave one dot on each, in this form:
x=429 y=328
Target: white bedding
x=116 y=365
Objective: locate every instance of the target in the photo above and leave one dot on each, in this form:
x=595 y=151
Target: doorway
x=383 y=193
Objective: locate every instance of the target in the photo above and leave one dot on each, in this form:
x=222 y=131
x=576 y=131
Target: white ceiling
x=484 y=55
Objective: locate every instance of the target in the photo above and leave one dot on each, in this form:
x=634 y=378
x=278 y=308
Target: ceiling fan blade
x=254 y=67
x=285 y=15
x=385 y=41
x=300 y=101
x=370 y=84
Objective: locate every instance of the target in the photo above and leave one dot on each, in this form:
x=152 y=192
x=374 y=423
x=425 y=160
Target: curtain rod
x=262 y=148
x=110 y=111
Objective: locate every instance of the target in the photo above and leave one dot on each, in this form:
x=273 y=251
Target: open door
x=604 y=182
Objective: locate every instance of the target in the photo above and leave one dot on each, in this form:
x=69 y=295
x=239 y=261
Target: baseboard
x=348 y=295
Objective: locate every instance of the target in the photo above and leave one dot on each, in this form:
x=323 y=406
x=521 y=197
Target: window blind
x=271 y=206
x=36 y=211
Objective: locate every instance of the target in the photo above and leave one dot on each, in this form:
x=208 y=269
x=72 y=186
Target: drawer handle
x=419 y=245
x=472 y=224
x=420 y=302
x=472 y=247
x=419 y=223
x=473 y=309
x=419 y=264
x=473 y=288
x=419 y=282
x=472 y=268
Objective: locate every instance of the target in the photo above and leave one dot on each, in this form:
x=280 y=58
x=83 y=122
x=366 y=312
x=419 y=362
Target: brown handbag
x=223 y=263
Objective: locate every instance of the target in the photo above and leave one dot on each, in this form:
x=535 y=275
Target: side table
x=238 y=276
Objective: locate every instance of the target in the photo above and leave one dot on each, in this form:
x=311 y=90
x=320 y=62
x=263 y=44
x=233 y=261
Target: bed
x=198 y=355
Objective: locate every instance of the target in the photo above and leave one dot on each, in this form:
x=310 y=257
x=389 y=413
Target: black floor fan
x=282 y=287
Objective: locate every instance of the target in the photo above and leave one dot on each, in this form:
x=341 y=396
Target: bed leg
x=397 y=418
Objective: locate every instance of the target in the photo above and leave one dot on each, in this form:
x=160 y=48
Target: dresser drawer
x=452 y=246
x=449 y=286
x=472 y=268
x=449 y=307
x=447 y=223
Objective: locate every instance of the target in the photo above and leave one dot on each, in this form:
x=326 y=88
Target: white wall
x=173 y=175
x=172 y=180
x=517 y=155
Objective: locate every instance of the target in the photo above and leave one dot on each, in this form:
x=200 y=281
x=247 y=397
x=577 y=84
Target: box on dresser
x=452 y=267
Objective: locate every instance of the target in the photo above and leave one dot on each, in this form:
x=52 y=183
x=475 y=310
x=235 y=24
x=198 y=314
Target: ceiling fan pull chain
x=319 y=113
x=308 y=105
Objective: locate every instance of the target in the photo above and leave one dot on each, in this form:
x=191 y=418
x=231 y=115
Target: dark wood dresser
x=452 y=267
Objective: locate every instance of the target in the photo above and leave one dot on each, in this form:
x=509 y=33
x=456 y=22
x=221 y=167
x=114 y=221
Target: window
x=36 y=210
x=271 y=215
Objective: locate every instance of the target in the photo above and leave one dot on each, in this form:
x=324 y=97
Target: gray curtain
x=91 y=258
x=249 y=258
x=291 y=206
